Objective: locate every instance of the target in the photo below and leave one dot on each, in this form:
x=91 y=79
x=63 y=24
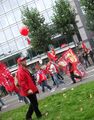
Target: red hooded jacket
x=25 y=81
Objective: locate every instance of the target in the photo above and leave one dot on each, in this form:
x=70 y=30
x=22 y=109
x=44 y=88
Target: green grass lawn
x=74 y=104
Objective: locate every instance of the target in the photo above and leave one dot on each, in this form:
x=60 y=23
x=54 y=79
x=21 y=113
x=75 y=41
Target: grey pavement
x=12 y=101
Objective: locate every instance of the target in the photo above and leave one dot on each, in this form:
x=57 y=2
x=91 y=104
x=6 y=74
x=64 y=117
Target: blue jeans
x=1 y=102
x=57 y=80
x=44 y=84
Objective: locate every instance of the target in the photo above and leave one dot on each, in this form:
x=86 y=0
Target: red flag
x=28 y=41
x=84 y=46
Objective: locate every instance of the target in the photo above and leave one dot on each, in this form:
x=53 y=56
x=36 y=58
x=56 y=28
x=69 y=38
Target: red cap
x=20 y=60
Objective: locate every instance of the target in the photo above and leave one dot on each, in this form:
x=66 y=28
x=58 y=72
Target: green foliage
x=74 y=104
x=88 y=6
x=64 y=17
x=39 y=31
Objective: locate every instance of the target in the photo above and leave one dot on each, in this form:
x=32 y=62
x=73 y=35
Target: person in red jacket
x=27 y=88
x=72 y=74
x=41 y=78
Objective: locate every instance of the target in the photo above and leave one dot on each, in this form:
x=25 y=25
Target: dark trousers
x=33 y=107
x=1 y=102
x=44 y=84
x=59 y=76
x=22 y=98
x=53 y=80
x=73 y=76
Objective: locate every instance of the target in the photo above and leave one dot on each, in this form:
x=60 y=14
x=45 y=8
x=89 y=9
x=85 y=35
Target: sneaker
x=20 y=101
x=52 y=90
x=4 y=106
x=0 y=108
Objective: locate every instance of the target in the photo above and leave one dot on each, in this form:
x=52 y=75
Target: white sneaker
x=52 y=90
x=20 y=101
x=4 y=106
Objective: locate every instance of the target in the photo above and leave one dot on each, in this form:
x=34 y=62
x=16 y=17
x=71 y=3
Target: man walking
x=27 y=88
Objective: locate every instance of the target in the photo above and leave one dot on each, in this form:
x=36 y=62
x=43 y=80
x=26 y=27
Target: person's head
x=22 y=61
x=37 y=66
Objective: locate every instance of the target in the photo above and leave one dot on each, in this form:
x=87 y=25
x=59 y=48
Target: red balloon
x=24 y=31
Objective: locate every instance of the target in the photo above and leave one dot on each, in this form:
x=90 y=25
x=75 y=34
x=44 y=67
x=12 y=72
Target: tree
x=64 y=18
x=39 y=31
x=88 y=6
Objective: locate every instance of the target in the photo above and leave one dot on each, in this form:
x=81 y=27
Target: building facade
x=12 y=44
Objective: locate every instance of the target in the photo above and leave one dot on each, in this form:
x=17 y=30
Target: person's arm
x=38 y=77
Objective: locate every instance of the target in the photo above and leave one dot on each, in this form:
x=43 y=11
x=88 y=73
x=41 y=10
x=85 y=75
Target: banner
x=70 y=56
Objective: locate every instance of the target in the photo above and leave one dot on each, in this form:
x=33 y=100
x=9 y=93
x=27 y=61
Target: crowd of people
x=26 y=82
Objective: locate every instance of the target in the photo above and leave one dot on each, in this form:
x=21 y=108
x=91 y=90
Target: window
x=50 y=13
x=28 y=0
x=48 y=3
x=10 y=17
x=6 y=49
x=40 y=5
x=17 y=14
x=21 y=2
x=13 y=46
x=20 y=43
x=6 y=6
x=47 y=20
x=31 y=5
x=1 y=52
x=3 y=38
x=1 y=9
x=13 y=3
x=15 y=30
x=3 y=21
x=8 y=34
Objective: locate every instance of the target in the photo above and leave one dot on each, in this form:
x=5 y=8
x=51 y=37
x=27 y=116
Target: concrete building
x=12 y=44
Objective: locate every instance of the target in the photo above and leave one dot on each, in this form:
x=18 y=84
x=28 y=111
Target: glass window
x=8 y=34
x=10 y=17
x=31 y=5
x=3 y=21
x=20 y=25
x=40 y=5
x=48 y=3
x=1 y=9
x=13 y=3
x=15 y=30
x=13 y=46
x=2 y=37
x=53 y=2
x=21 y=2
x=28 y=0
x=6 y=6
x=50 y=13
x=6 y=49
x=47 y=20
x=1 y=52
x=20 y=43
x=17 y=14
x=26 y=43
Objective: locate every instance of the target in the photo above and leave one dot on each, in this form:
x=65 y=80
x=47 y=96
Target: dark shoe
x=39 y=116
x=28 y=119
x=0 y=108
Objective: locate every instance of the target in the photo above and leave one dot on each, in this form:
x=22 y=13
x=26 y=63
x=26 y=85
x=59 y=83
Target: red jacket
x=41 y=76
x=25 y=81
